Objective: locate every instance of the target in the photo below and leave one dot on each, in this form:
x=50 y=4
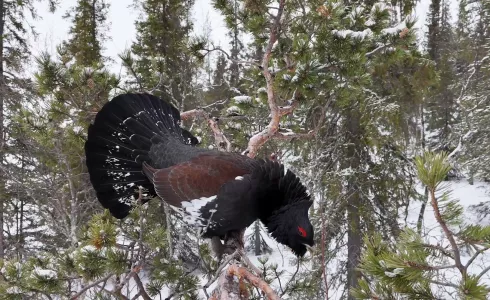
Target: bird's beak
x=310 y=249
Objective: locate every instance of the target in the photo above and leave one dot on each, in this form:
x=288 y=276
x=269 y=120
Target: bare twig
x=483 y=272
x=228 y=56
x=480 y=251
x=444 y=283
x=290 y=280
x=220 y=139
x=88 y=287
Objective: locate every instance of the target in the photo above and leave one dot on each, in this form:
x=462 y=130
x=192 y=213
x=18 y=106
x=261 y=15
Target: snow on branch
x=272 y=129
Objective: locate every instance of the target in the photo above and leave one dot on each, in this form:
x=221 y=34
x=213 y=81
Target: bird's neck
x=276 y=188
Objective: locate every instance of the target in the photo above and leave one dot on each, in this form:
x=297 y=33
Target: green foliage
x=87 y=31
x=163 y=45
x=471 y=288
x=408 y=268
x=432 y=168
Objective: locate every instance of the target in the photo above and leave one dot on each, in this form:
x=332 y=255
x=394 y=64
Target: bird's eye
x=301 y=231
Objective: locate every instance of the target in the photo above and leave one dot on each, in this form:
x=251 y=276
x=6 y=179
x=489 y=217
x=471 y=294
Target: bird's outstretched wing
x=202 y=176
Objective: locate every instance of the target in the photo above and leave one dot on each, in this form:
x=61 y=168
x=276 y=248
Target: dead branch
x=276 y=113
x=193 y=113
x=220 y=139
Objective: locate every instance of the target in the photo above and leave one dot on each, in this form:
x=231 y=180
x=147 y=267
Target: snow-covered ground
x=467 y=195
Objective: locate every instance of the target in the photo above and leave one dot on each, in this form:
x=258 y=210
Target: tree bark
x=2 y=145
x=257 y=238
x=354 y=240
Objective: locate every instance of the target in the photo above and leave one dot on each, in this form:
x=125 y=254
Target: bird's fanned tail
x=129 y=130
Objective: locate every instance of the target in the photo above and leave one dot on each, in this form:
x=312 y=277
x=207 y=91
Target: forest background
x=382 y=108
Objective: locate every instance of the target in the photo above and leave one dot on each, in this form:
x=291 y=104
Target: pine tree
x=345 y=69
x=441 y=106
x=87 y=33
x=163 y=45
x=14 y=53
x=408 y=268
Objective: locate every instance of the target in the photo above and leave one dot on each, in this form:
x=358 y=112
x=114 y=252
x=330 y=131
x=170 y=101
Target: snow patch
x=242 y=99
x=48 y=274
x=361 y=35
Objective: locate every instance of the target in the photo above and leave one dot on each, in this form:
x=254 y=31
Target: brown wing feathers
x=202 y=176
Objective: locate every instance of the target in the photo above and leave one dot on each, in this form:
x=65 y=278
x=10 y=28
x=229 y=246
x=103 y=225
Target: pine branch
x=141 y=287
x=447 y=232
x=444 y=283
x=262 y=137
x=439 y=248
x=88 y=287
x=480 y=251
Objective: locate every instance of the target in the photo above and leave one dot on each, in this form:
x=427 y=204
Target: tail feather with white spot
x=129 y=130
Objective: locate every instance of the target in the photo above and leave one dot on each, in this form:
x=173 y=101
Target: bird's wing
x=199 y=177
x=234 y=209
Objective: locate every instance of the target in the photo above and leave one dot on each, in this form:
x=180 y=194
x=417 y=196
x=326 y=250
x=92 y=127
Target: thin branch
x=444 y=283
x=220 y=139
x=241 y=272
x=193 y=113
x=93 y=284
x=290 y=280
x=428 y=267
x=228 y=56
x=483 y=272
x=480 y=251
x=439 y=248
x=141 y=288
x=447 y=232
x=371 y=53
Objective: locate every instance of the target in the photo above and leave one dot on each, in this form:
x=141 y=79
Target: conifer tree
x=408 y=269
x=87 y=33
x=441 y=106
x=163 y=45
x=14 y=53
x=328 y=78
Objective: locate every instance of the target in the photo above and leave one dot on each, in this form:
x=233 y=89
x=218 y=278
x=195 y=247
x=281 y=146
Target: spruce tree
x=163 y=45
x=87 y=33
x=14 y=88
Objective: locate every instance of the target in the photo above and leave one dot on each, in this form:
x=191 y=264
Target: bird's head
x=291 y=226
x=284 y=203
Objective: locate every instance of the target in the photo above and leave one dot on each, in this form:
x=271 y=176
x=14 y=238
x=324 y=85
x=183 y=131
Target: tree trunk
x=257 y=238
x=234 y=51
x=2 y=93
x=354 y=200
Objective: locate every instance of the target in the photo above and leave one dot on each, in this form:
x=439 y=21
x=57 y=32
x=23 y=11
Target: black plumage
x=136 y=150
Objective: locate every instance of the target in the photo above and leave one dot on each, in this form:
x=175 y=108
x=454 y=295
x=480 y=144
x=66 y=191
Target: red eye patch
x=302 y=231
